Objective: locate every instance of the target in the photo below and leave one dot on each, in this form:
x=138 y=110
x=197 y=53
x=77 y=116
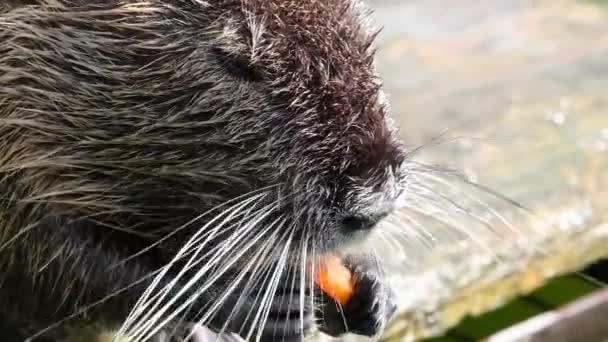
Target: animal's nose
x=363 y=221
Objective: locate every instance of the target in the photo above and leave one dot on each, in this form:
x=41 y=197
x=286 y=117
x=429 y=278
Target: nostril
x=361 y=222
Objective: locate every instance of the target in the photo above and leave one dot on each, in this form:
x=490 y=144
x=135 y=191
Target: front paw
x=369 y=309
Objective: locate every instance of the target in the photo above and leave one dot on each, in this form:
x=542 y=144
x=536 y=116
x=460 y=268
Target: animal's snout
x=363 y=221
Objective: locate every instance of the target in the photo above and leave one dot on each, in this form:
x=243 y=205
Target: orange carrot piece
x=335 y=279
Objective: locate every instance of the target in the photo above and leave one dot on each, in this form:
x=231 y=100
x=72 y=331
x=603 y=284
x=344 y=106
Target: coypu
x=169 y=161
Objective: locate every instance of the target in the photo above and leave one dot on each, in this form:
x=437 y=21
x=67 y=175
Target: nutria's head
x=231 y=119
x=144 y=115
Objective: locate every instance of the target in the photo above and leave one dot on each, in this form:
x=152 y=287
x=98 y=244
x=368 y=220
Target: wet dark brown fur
x=121 y=121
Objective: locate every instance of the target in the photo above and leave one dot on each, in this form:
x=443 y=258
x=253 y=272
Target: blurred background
x=519 y=91
x=521 y=81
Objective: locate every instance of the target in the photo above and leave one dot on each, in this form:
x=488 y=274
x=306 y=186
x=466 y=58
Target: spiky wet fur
x=123 y=124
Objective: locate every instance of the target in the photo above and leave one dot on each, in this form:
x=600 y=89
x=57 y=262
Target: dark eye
x=237 y=66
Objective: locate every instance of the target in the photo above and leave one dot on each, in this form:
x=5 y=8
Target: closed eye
x=237 y=66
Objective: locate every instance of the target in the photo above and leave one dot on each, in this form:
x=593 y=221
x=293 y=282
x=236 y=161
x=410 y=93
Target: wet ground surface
x=521 y=85
x=518 y=88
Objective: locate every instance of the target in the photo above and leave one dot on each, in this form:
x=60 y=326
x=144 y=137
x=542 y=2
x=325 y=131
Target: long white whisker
x=293 y=273
x=438 y=215
x=140 y=305
x=237 y=199
x=303 y=267
x=263 y=250
x=275 y=282
x=394 y=245
x=258 y=261
x=455 y=206
x=261 y=280
x=204 y=287
x=405 y=240
x=484 y=205
x=226 y=244
x=264 y=278
x=419 y=231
